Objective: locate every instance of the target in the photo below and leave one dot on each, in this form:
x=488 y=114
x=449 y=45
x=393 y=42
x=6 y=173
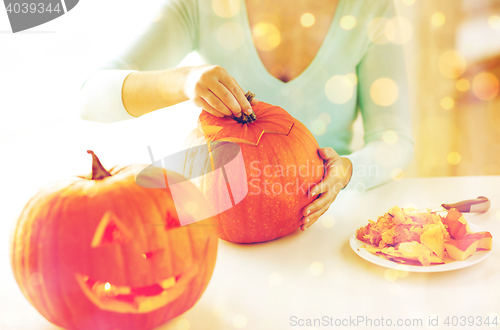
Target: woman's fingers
x=216 y=87
x=331 y=182
x=328 y=154
x=331 y=177
x=310 y=220
x=327 y=189
x=201 y=103
x=325 y=199
x=226 y=97
x=317 y=204
x=321 y=205
x=216 y=103
x=239 y=94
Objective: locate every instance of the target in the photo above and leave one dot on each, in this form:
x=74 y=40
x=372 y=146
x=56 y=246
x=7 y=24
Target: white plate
x=473 y=259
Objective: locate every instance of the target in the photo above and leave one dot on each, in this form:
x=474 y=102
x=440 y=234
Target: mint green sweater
x=321 y=97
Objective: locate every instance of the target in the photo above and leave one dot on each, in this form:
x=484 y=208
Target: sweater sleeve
x=162 y=45
x=383 y=99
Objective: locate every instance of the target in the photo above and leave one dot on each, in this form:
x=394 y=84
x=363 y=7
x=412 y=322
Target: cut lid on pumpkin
x=271 y=120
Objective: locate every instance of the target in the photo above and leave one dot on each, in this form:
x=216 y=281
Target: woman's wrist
x=143 y=92
x=172 y=85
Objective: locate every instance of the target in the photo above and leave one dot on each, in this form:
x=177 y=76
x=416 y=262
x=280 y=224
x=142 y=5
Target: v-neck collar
x=254 y=55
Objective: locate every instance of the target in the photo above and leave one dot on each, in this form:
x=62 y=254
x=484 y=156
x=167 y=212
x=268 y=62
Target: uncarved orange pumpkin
x=281 y=163
x=105 y=252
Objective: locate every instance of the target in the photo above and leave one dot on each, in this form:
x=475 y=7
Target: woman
x=308 y=69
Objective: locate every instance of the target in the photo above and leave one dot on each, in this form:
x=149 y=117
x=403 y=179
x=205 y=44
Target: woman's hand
x=338 y=172
x=210 y=87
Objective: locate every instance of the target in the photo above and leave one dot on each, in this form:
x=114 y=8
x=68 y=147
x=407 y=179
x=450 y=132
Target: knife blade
x=478 y=205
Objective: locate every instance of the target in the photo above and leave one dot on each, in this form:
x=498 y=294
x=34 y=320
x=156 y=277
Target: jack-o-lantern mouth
x=126 y=299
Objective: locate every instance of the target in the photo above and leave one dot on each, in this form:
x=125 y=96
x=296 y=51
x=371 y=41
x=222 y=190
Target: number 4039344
x=32 y=8
x=471 y=321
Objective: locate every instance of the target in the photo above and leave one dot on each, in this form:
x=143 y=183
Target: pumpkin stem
x=98 y=171
x=249 y=95
x=246 y=119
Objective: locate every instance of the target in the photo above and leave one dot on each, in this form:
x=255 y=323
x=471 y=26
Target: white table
x=307 y=275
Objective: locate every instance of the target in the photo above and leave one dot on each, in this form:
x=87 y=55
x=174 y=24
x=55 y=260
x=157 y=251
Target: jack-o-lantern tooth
x=104 y=290
x=168 y=283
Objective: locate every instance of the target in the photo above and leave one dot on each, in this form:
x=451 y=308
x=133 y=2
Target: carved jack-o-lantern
x=103 y=252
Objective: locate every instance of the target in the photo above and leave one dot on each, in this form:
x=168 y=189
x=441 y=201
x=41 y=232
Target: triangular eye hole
x=110 y=231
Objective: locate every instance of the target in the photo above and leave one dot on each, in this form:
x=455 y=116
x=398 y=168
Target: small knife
x=480 y=204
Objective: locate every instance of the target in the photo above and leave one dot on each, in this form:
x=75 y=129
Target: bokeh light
x=494 y=21
x=410 y=205
x=240 y=321
x=353 y=78
x=218 y=310
x=384 y=91
x=275 y=278
x=454 y=158
x=385 y=155
x=485 y=86
x=318 y=127
x=339 y=89
x=191 y=207
x=376 y=30
x=230 y=35
x=402 y=271
x=182 y=324
x=266 y=36
x=226 y=8
x=307 y=20
x=325 y=117
x=438 y=19
x=463 y=84
x=398 y=30
x=452 y=64
x=390 y=137
x=348 y=22
x=328 y=220
x=270 y=18
x=390 y=275
x=397 y=174
x=316 y=268
x=447 y=103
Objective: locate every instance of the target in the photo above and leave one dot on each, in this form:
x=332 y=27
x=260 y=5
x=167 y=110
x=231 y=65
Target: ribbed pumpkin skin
x=52 y=243
x=259 y=216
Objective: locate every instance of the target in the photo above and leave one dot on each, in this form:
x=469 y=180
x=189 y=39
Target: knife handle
x=480 y=204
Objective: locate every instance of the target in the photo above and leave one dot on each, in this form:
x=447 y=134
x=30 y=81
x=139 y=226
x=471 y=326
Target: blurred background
x=453 y=57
